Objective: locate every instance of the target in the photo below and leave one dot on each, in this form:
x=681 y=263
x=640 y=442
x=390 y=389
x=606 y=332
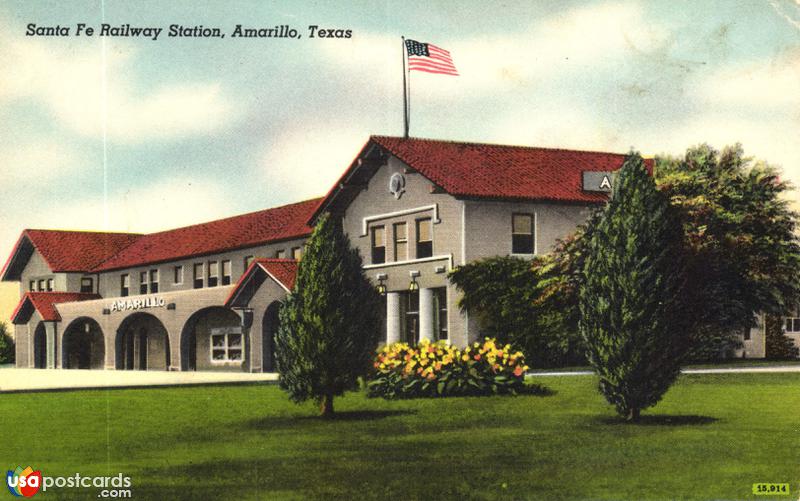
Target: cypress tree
x=330 y=323
x=630 y=297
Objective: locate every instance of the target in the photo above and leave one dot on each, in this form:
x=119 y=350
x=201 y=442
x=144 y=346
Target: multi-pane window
x=378 y=244
x=791 y=325
x=177 y=275
x=411 y=318
x=124 y=285
x=522 y=234
x=87 y=285
x=440 y=313
x=281 y=254
x=143 y=282
x=226 y=344
x=153 y=281
x=49 y=285
x=198 y=275
x=400 y=241
x=41 y=285
x=248 y=260
x=424 y=238
x=297 y=253
x=213 y=273
x=32 y=285
x=226 y=272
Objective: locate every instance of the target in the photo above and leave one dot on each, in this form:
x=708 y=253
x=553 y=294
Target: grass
x=712 y=437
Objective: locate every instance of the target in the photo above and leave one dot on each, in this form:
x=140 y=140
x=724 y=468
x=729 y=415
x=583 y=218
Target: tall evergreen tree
x=6 y=345
x=330 y=323
x=632 y=280
x=778 y=346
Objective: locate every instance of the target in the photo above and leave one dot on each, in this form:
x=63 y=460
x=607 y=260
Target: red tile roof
x=45 y=303
x=283 y=271
x=247 y=230
x=491 y=171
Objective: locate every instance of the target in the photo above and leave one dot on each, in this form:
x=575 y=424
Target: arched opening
x=142 y=343
x=269 y=327
x=212 y=340
x=40 y=347
x=84 y=345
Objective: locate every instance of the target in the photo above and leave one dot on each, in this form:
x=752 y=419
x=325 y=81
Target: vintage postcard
x=375 y=249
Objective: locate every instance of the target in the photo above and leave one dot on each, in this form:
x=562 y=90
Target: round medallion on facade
x=397 y=185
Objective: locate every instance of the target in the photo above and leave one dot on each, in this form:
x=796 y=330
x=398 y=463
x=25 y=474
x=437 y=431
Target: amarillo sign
x=137 y=304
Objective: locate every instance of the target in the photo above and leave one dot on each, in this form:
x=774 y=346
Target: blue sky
x=140 y=135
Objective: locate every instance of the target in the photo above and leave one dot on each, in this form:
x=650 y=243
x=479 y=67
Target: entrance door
x=40 y=348
x=143 y=350
x=269 y=328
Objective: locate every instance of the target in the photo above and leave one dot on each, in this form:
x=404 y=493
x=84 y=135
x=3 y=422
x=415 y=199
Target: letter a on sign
x=605 y=184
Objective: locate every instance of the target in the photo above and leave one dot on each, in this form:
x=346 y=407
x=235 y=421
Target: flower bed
x=439 y=370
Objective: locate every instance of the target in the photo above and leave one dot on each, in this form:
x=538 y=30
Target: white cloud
x=48 y=158
x=84 y=85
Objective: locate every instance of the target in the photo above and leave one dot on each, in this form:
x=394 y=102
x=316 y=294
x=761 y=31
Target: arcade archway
x=142 y=343
x=84 y=345
x=212 y=340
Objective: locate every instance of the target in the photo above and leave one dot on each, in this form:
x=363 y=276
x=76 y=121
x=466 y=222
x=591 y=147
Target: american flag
x=429 y=58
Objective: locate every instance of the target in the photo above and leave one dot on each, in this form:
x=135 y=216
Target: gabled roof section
x=247 y=230
x=282 y=271
x=65 y=251
x=45 y=303
x=483 y=171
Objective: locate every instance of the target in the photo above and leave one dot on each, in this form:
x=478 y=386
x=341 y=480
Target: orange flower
x=518 y=371
x=477 y=357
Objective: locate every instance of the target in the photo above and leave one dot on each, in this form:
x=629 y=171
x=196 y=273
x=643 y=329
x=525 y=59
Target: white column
x=392 y=317
x=426 y=314
x=50 y=335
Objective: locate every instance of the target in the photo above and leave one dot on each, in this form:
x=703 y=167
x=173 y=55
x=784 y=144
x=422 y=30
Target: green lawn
x=712 y=437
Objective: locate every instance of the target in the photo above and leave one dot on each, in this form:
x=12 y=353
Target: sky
x=134 y=134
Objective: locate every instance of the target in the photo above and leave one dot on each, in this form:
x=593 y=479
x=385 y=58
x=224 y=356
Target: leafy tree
x=6 y=345
x=329 y=323
x=744 y=255
x=630 y=297
x=778 y=345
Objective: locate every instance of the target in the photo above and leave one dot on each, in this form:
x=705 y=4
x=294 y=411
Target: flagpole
x=405 y=90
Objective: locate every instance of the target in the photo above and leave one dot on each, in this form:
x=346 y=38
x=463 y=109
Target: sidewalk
x=22 y=380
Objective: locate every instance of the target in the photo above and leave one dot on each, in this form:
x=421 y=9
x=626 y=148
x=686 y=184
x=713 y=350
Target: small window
x=248 y=260
x=32 y=286
x=522 y=234
x=49 y=285
x=177 y=275
x=42 y=286
x=87 y=285
x=297 y=253
x=226 y=346
x=226 y=273
x=198 y=275
x=142 y=282
x=281 y=254
x=400 y=241
x=424 y=238
x=153 y=281
x=378 y=245
x=213 y=273
x=792 y=325
x=124 y=285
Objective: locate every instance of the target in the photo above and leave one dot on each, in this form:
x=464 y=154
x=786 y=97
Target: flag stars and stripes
x=429 y=58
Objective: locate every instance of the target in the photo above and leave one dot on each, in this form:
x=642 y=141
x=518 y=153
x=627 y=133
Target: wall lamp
x=413 y=286
x=381 y=277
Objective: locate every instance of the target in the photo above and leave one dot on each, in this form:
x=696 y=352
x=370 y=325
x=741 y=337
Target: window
x=213 y=273
x=791 y=325
x=226 y=344
x=198 y=275
x=411 y=318
x=400 y=242
x=281 y=254
x=32 y=285
x=124 y=285
x=41 y=285
x=143 y=282
x=522 y=234
x=297 y=253
x=440 y=313
x=87 y=285
x=177 y=275
x=378 y=244
x=49 y=285
x=424 y=238
x=226 y=273
x=153 y=281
